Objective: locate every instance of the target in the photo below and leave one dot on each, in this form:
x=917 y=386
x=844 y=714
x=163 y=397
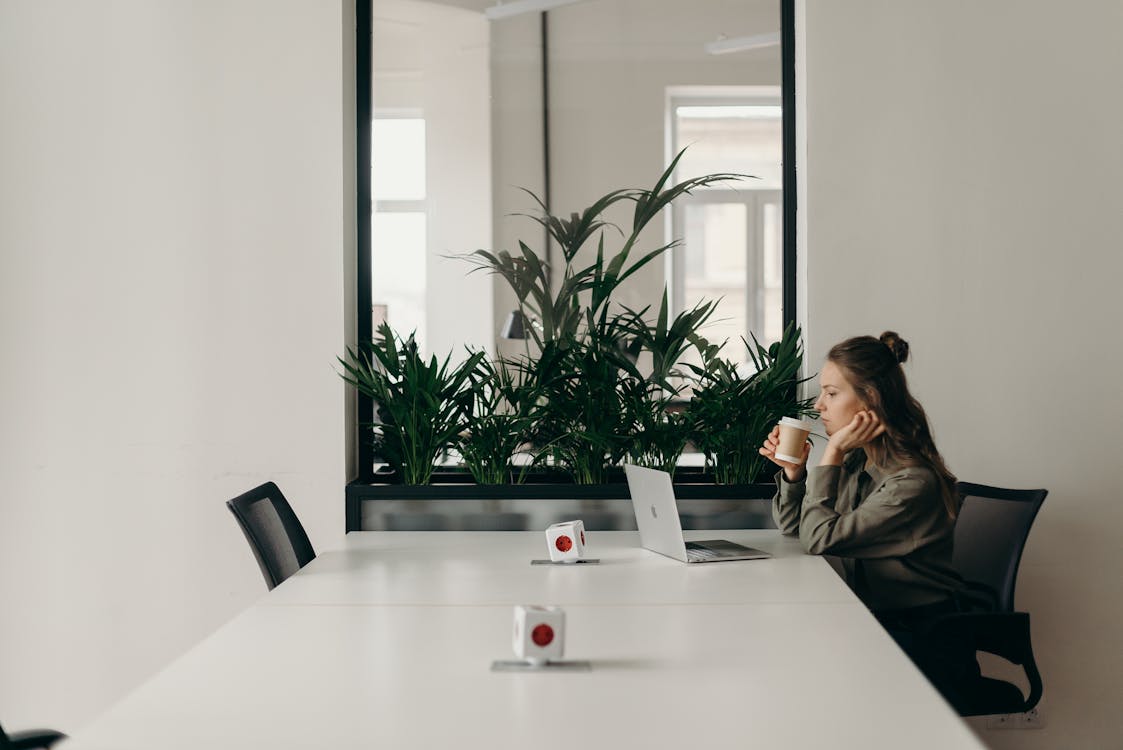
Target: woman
x=881 y=498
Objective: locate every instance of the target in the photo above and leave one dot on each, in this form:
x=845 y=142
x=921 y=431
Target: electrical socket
x=1032 y=719
x=1003 y=721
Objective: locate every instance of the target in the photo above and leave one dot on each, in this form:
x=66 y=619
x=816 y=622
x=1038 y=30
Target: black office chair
x=274 y=532
x=29 y=739
x=990 y=534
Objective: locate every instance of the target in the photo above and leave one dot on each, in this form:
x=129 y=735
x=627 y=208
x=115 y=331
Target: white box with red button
x=539 y=633
x=566 y=541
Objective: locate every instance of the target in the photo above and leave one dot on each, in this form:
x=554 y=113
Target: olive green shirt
x=890 y=529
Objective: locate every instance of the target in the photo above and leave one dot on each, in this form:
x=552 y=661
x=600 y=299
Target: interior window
x=732 y=234
x=398 y=249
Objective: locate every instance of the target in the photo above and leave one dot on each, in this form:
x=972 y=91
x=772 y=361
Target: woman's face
x=837 y=403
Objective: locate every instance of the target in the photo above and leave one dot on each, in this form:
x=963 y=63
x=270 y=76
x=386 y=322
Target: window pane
x=398 y=271
x=731 y=138
x=398 y=159
x=733 y=230
x=772 y=288
x=715 y=263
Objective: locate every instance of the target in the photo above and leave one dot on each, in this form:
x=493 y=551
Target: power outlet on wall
x=1032 y=719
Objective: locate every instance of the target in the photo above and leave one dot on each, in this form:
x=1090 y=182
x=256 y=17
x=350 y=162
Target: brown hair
x=872 y=366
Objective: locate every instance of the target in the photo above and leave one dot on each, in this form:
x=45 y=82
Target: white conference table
x=388 y=643
x=493 y=568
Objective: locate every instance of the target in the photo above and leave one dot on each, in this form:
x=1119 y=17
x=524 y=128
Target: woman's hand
x=863 y=428
x=792 y=472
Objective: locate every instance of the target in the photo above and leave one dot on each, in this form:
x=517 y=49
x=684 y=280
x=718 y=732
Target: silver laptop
x=660 y=530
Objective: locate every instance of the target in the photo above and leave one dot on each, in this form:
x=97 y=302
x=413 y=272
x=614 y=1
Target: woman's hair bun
x=896 y=344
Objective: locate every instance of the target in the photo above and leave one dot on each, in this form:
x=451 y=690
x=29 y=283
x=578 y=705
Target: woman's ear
x=871 y=405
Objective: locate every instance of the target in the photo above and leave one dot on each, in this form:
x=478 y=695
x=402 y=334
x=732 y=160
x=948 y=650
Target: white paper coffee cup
x=793 y=435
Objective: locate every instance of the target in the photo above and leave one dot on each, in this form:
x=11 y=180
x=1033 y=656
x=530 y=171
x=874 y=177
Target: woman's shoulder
x=907 y=481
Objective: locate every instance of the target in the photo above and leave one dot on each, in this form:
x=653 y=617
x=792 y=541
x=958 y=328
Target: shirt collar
x=856 y=460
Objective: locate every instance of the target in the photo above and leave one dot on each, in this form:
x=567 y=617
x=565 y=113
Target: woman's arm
x=790 y=485
x=787 y=504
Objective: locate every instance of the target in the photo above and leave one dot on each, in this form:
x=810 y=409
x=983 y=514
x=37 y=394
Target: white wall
x=175 y=197
x=962 y=187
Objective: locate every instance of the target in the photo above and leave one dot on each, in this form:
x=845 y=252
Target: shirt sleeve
x=894 y=520
x=786 y=504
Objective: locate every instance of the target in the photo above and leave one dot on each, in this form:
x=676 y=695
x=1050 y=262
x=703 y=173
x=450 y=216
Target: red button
x=542 y=635
x=563 y=543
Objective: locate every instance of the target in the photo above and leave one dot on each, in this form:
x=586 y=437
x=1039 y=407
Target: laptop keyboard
x=694 y=552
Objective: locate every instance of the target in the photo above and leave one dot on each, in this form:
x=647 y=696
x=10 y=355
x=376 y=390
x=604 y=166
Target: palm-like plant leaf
x=731 y=414
x=421 y=405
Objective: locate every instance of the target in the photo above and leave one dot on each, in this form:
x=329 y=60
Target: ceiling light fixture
x=724 y=46
x=516 y=7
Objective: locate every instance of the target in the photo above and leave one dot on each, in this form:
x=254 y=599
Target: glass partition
x=571 y=103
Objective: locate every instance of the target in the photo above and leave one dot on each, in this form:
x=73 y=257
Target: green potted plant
x=588 y=346
x=501 y=415
x=600 y=383
x=731 y=413
x=659 y=434
x=582 y=417
x=421 y=404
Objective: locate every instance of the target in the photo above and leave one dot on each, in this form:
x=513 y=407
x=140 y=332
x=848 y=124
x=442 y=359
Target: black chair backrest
x=991 y=533
x=273 y=531
x=30 y=739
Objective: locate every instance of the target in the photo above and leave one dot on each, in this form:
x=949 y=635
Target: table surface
x=388 y=643
x=493 y=568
